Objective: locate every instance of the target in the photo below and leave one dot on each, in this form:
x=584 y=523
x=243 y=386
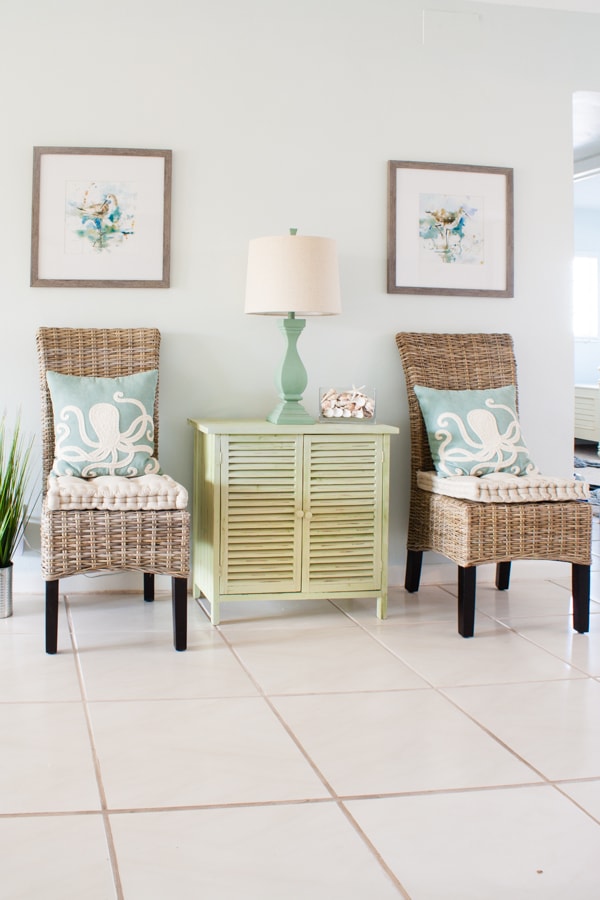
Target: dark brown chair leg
x=467 y=576
x=580 y=584
x=503 y=575
x=179 y=594
x=51 y=616
x=412 y=578
x=148 y=587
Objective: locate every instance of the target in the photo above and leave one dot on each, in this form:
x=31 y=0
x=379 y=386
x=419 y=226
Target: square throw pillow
x=103 y=426
x=474 y=432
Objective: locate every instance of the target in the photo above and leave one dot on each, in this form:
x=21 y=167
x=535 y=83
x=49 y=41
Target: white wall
x=281 y=114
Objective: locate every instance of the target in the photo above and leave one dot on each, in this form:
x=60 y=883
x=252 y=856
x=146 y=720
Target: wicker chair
x=470 y=533
x=92 y=540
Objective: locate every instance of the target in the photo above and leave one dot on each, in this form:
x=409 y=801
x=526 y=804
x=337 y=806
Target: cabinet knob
x=300 y=513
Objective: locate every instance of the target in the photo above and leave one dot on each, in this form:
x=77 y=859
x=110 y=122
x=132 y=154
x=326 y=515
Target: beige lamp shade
x=293 y=274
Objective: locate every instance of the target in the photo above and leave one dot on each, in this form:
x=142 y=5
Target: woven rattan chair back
x=450 y=362
x=92 y=540
x=470 y=533
x=101 y=352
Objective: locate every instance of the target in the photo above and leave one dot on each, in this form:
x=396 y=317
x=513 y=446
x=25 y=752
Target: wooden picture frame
x=101 y=217
x=450 y=230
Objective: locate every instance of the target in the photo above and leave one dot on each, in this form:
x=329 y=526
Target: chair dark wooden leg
x=179 y=594
x=412 y=578
x=503 y=575
x=148 y=587
x=467 y=579
x=580 y=584
x=51 y=616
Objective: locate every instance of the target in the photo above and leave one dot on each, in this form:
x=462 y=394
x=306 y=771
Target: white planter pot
x=6 y=591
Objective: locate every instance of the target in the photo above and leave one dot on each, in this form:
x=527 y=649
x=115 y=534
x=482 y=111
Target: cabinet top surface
x=261 y=426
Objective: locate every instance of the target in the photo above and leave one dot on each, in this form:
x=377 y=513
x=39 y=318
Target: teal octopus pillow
x=103 y=426
x=474 y=432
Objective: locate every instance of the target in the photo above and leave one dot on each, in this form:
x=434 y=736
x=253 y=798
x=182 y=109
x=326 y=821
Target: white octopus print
x=485 y=446
x=101 y=442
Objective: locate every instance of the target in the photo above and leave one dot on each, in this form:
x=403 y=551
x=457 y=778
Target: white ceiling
x=589 y=6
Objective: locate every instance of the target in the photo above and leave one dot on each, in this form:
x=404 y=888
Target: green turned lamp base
x=292 y=379
x=290 y=412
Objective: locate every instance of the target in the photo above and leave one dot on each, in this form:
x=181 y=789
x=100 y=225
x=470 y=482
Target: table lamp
x=287 y=275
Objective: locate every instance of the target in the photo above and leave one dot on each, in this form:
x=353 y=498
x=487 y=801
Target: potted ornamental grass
x=15 y=503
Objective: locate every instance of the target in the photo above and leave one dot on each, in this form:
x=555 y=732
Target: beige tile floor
x=303 y=751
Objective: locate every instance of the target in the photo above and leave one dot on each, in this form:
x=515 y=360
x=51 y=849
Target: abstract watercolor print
x=100 y=216
x=451 y=229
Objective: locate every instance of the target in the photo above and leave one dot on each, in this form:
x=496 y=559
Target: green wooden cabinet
x=290 y=512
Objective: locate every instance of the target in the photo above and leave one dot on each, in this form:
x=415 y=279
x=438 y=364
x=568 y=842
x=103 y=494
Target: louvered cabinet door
x=343 y=513
x=290 y=512
x=261 y=514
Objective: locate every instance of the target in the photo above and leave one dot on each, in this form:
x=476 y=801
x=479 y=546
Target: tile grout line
x=338 y=799
x=378 y=856
x=546 y=782
x=315 y=801
x=440 y=692
x=102 y=794
x=334 y=797
x=510 y=628
x=277 y=715
x=558 y=787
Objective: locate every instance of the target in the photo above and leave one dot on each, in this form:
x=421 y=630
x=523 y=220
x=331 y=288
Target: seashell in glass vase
x=355 y=404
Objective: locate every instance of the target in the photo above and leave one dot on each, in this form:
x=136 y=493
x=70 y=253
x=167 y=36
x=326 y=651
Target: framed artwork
x=100 y=217
x=450 y=230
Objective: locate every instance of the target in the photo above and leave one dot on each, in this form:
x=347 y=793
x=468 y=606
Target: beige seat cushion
x=115 y=492
x=500 y=487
